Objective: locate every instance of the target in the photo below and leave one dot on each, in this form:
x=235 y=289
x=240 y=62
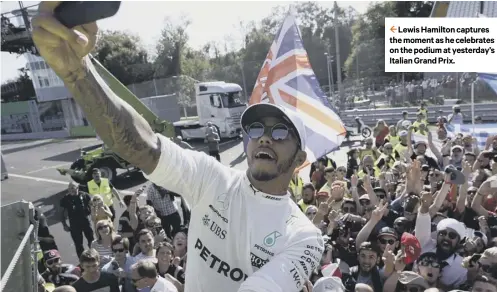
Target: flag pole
x=473 y=104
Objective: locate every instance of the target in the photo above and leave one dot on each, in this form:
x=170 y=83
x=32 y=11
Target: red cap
x=331 y=270
x=412 y=247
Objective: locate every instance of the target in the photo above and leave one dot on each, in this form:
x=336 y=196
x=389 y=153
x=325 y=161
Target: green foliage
x=361 y=47
x=19 y=89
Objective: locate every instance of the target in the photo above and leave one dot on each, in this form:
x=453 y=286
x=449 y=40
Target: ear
x=300 y=158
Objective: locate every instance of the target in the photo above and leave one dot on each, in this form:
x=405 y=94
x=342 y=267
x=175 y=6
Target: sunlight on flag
x=287 y=79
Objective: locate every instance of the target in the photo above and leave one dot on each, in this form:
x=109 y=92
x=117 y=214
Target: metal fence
x=19 y=241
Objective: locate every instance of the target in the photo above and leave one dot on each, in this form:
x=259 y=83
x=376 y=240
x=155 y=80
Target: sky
x=210 y=21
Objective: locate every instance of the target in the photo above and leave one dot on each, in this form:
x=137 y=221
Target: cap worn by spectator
x=364 y=197
x=328 y=284
x=51 y=254
x=403 y=133
x=456 y=177
x=256 y=112
x=453 y=224
x=412 y=247
x=388 y=231
x=457 y=147
x=412 y=278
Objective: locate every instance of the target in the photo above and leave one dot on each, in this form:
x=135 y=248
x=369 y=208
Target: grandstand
x=464 y=9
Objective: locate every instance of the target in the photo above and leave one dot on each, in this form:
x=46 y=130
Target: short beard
x=265 y=176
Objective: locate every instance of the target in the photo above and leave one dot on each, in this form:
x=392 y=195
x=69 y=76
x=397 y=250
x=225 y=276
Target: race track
x=33 y=177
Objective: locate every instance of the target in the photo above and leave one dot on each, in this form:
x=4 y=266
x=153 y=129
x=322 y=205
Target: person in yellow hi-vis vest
x=368 y=164
x=296 y=187
x=392 y=137
x=102 y=186
x=424 y=111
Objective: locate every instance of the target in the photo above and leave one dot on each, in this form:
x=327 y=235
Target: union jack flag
x=287 y=79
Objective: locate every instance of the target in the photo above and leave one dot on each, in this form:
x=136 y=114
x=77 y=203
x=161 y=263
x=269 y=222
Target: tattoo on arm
x=121 y=128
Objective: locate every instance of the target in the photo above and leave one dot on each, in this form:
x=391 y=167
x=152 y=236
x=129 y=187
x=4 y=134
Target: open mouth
x=264 y=155
x=445 y=244
x=430 y=275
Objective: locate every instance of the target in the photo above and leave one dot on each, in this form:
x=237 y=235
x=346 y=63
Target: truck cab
x=219 y=103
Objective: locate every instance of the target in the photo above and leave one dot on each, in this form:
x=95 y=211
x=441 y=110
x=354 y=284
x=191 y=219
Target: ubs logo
x=214 y=228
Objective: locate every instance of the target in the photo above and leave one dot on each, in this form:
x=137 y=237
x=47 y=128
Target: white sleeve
x=185 y=172
x=288 y=271
x=422 y=229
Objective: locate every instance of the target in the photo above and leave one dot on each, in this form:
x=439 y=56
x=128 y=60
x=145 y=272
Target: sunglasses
x=385 y=241
x=444 y=233
x=311 y=213
x=102 y=227
x=349 y=209
x=429 y=263
x=278 y=132
x=369 y=144
x=118 y=250
x=381 y=195
x=365 y=202
x=388 y=148
x=413 y=289
x=52 y=261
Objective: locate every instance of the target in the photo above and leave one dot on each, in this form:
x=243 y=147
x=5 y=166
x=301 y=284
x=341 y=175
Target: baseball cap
x=412 y=247
x=412 y=278
x=258 y=111
x=388 y=231
x=51 y=254
x=328 y=284
x=456 y=177
x=403 y=133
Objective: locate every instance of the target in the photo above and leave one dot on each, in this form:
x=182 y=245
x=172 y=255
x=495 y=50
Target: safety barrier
x=19 y=241
x=488 y=112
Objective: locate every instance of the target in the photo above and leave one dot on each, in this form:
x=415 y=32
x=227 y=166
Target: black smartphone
x=74 y=13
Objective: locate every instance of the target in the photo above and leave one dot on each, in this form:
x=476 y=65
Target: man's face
x=330 y=176
x=385 y=240
x=429 y=269
x=487 y=265
x=139 y=281
x=91 y=269
x=483 y=287
x=494 y=144
x=388 y=149
x=146 y=243
x=447 y=240
x=369 y=144
x=421 y=149
x=470 y=159
x=457 y=154
x=268 y=158
x=349 y=208
x=72 y=189
x=96 y=176
x=53 y=264
x=368 y=163
x=307 y=196
x=119 y=251
x=367 y=260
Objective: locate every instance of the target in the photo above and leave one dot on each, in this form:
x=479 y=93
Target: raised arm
x=119 y=126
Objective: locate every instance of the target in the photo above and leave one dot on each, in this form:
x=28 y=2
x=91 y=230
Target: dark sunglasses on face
x=102 y=227
x=452 y=235
x=364 y=202
x=52 y=261
x=429 y=263
x=278 y=132
x=118 y=250
x=385 y=241
x=369 y=144
x=348 y=209
x=413 y=289
x=311 y=213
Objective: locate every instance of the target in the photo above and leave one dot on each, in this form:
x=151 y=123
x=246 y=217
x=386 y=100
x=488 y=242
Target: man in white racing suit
x=246 y=234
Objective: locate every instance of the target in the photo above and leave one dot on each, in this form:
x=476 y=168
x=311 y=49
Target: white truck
x=219 y=103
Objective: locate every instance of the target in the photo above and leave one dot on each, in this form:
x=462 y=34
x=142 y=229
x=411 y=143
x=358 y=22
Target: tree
x=19 y=89
x=366 y=59
x=122 y=54
x=171 y=48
